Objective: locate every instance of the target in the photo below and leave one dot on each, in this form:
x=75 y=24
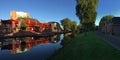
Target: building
x=112 y=26
x=115 y=26
x=15 y=14
x=55 y=27
x=34 y=26
x=9 y=26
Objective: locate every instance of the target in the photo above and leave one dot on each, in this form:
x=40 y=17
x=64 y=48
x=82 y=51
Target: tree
x=21 y=18
x=23 y=26
x=66 y=23
x=69 y=25
x=79 y=29
x=73 y=26
x=105 y=19
x=86 y=12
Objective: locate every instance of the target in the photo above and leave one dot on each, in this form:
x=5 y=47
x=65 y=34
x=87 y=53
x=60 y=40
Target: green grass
x=86 y=47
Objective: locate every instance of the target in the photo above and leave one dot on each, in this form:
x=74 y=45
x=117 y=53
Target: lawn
x=86 y=47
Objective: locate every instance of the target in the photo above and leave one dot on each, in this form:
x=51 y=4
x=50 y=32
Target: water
x=29 y=48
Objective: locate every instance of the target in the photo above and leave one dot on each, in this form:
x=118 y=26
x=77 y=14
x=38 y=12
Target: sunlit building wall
x=16 y=14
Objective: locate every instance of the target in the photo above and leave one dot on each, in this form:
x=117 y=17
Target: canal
x=29 y=48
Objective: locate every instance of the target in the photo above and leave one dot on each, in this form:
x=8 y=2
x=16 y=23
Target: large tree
x=86 y=12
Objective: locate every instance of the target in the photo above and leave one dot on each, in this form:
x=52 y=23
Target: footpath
x=110 y=39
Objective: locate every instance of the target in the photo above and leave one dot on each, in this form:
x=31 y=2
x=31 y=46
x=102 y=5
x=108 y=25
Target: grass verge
x=86 y=47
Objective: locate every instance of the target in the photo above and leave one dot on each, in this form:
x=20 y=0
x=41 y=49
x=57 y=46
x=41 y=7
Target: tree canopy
x=20 y=18
x=73 y=25
x=86 y=12
x=68 y=25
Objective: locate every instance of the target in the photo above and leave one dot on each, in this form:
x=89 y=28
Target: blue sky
x=108 y=7
x=55 y=10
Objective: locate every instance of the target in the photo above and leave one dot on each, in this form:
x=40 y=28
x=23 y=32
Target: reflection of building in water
x=55 y=38
x=21 y=45
x=67 y=34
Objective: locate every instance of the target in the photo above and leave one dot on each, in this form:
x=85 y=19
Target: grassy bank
x=86 y=47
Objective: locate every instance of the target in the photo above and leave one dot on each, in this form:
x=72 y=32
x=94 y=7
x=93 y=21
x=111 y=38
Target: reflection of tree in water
x=55 y=38
x=23 y=45
x=67 y=38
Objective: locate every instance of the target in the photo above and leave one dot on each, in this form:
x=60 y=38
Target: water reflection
x=22 y=45
x=55 y=38
x=67 y=38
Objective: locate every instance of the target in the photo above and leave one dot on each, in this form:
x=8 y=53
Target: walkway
x=112 y=40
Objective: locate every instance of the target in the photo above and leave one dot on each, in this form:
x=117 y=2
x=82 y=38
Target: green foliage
x=105 y=19
x=33 y=19
x=23 y=26
x=66 y=40
x=86 y=12
x=79 y=29
x=68 y=25
x=73 y=25
x=21 y=18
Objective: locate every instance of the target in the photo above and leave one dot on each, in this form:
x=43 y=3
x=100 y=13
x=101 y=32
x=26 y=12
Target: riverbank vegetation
x=86 y=47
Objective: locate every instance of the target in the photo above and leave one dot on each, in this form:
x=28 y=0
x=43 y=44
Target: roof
x=31 y=22
x=116 y=20
x=9 y=21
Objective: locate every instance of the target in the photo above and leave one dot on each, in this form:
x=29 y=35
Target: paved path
x=112 y=40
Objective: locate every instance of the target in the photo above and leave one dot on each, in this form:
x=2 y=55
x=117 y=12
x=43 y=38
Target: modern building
x=16 y=14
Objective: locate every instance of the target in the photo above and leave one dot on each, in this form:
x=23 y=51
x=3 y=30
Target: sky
x=55 y=10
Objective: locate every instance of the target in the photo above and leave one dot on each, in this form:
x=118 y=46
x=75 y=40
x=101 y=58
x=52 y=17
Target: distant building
x=55 y=27
x=15 y=14
x=9 y=26
x=115 y=25
x=112 y=26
